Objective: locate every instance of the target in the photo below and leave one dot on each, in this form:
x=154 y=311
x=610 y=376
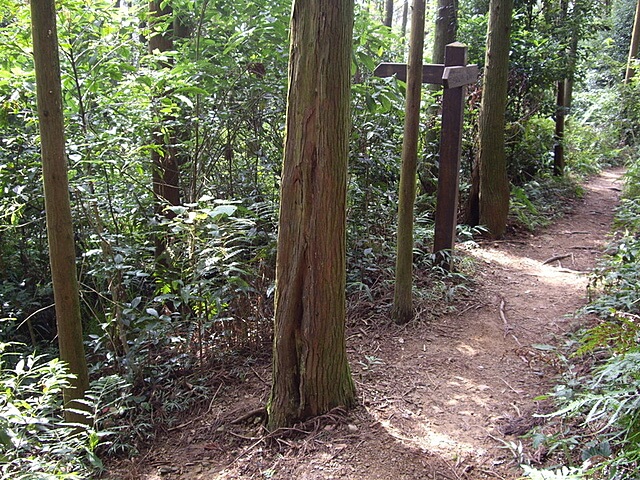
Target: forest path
x=441 y=397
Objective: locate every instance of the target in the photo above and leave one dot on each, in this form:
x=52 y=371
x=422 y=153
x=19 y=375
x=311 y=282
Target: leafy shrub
x=617 y=282
x=529 y=148
x=34 y=440
x=537 y=202
x=629 y=212
x=563 y=473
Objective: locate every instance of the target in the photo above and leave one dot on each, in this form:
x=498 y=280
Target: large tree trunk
x=310 y=370
x=494 y=184
x=558 y=149
x=62 y=252
x=402 y=310
x=633 y=48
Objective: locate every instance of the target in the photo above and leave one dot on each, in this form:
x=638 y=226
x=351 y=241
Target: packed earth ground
x=448 y=396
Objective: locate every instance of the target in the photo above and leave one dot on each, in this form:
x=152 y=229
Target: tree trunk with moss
x=310 y=370
x=402 y=310
x=493 y=180
x=62 y=253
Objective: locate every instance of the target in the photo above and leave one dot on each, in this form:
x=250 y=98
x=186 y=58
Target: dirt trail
x=439 y=397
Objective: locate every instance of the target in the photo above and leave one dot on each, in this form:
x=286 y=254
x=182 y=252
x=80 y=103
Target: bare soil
x=446 y=397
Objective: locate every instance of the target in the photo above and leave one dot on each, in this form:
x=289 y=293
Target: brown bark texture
x=572 y=57
x=494 y=184
x=405 y=17
x=388 y=13
x=446 y=26
x=62 y=253
x=311 y=374
x=402 y=310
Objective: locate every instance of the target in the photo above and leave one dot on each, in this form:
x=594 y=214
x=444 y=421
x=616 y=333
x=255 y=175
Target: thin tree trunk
x=402 y=310
x=310 y=370
x=164 y=162
x=494 y=184
x=62 y=252
x=446 y=26
x=388 y=13
x=571 y=64
x=405 y=17
x=558 y=149
x=633 y=48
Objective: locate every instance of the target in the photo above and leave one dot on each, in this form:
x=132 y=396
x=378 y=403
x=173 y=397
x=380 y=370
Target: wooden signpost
x=454 y=75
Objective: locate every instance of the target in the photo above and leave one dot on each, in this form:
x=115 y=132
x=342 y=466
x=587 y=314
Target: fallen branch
x=261 y=411
x=572 y=272
x=507 y=327
x=557 y=257
x=476 y=306
x=259 y=377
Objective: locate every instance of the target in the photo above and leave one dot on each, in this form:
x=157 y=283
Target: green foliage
x=34 y=440
x=622 y=13
x=629 y=212
x=376 y=142
x=24 y=288
x=563 y=473
x=539 y=201
x=605 y=114
x=618 y=334
x=616 y=282
x=605 y=409
x=529 y=147
x=541 y=40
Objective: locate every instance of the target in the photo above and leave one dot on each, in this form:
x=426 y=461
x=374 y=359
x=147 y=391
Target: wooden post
x=450 y=150
x=454 y=75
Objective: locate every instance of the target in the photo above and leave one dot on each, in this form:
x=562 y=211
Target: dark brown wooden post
x=450 y=149
x=454 y=75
